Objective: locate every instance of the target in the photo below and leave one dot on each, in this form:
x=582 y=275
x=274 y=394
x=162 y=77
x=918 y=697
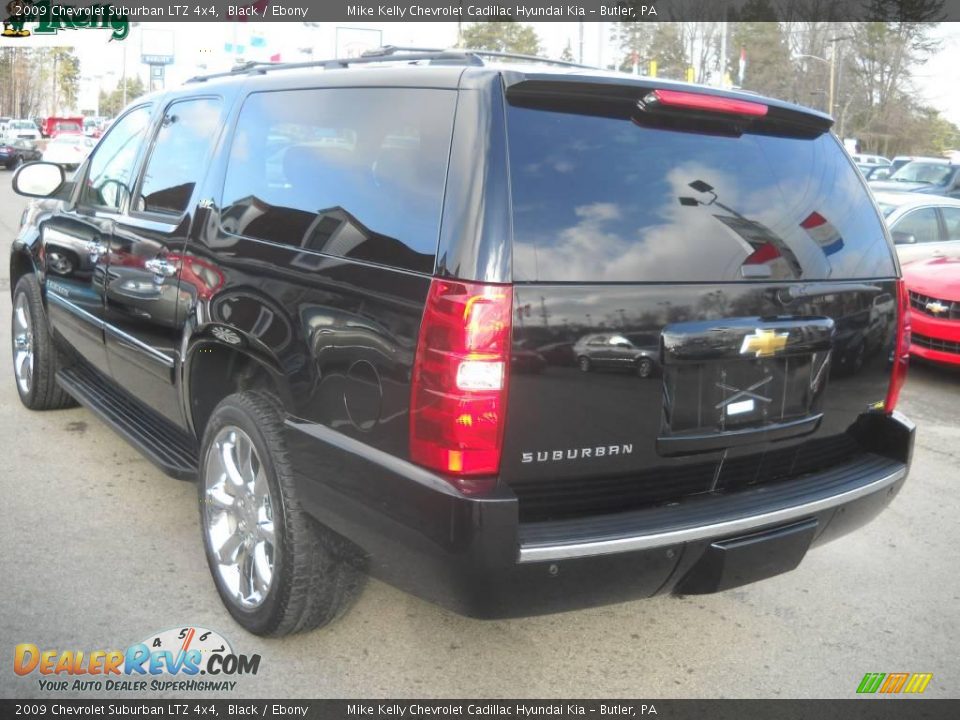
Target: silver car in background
x=923 y=226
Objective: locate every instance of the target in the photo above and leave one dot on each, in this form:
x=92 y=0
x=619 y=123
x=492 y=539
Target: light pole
x=832 y=62
x=831 y=65
x=833 y=70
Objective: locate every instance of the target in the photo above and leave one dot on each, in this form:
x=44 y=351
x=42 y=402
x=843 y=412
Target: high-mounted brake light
x=901 y=353
x=699 y=101
x=459 y=385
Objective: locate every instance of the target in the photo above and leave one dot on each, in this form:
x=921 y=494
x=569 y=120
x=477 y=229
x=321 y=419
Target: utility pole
x=833 y=74
x=53 y=85
x=601 y=41
x=460 y=24
x=580 y=60
x=123 y=76
x=833 y=69
x=723 y=52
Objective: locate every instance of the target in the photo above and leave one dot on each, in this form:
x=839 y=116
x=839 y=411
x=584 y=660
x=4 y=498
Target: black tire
x=584 y=363
x=316 y=574
x=42 y=392
x=644 y=367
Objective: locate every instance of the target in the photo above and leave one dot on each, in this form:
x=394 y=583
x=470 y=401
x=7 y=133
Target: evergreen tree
x=501 y=37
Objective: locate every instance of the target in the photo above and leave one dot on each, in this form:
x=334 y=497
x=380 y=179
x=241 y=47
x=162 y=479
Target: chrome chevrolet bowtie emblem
x=764 y=343
x=936 y=307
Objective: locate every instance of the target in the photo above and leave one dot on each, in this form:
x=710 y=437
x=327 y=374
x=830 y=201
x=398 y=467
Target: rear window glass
x=598 y=198
x=351 y=172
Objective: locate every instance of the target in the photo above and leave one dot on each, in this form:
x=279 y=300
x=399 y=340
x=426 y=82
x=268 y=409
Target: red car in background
x=934 y=287
x=53 y=126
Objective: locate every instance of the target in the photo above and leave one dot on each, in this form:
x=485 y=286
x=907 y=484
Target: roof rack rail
x=389 y=53
x=390 y=50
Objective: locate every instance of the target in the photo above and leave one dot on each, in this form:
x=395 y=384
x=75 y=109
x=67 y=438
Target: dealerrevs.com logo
x=171 y=660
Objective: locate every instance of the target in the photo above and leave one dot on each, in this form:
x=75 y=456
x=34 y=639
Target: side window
x=951 y=218
x=922 y=224
x=179 y=155
x=110 y=173
x=350 y=172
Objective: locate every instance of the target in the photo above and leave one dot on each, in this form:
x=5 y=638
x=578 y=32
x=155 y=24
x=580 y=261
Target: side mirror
x=902 y=238
x=38 y=179
x=880 y=175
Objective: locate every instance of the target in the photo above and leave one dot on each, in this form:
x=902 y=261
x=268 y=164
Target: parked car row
x=51 y=127
x=925 y=227
x=919 y=197
x=65 y=150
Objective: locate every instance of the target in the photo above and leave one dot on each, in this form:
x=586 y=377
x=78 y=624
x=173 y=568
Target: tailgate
x=702 y=301
x=729 y=401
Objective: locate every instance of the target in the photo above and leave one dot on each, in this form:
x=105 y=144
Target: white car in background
x=68 y=150
x=20 y=130
x=922 y=226
x=865 y=159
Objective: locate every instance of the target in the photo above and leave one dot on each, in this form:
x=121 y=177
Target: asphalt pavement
x=99 y=550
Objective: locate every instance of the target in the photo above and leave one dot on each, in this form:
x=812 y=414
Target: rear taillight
x=901 y=352
x=699 y=101
x=459 y=385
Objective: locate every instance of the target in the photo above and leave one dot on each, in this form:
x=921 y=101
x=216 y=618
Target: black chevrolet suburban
x=345 y=297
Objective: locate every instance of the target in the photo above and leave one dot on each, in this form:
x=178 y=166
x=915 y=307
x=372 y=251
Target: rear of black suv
x=730 y=231
x=516 y=341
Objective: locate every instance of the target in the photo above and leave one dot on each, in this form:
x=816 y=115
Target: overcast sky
x=196 y=45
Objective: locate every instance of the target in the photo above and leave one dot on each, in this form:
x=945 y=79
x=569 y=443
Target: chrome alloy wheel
x=22 y=344
x=239 y=517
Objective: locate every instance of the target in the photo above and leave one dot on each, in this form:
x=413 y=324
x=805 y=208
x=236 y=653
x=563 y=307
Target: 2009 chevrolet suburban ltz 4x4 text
x=348 y=298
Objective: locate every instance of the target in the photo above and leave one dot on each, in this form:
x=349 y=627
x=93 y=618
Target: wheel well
x=20 y=265
x=217 y=371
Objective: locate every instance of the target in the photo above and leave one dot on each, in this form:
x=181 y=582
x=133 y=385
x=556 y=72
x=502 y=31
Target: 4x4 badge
x=764 y=343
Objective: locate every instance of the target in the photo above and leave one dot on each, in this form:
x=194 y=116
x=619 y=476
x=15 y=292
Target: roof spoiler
x=665 y=102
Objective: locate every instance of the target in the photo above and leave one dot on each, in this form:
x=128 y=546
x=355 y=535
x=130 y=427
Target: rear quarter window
x=598 y=198
x=350 y=172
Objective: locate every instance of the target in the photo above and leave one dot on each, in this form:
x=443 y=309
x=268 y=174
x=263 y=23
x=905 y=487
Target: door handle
x=160 y=267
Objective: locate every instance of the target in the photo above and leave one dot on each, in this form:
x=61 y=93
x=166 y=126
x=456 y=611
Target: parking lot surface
x=99 y=550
